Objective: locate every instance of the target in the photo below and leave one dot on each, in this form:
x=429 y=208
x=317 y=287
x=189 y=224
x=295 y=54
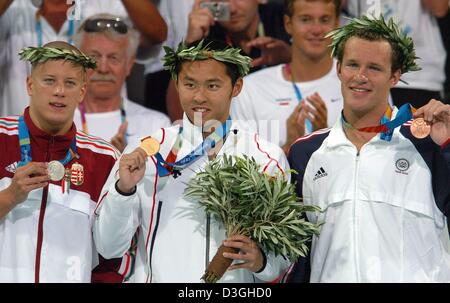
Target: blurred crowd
x=257 y=27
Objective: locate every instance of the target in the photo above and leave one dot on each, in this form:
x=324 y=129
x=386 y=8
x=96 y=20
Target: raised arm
x=117 y=214
x=4 y=4
x=438 y=8
x=148 y=20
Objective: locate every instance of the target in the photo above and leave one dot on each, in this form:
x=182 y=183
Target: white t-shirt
x=18 y=30
x=267 y=100
x=141 y=121
x=420 y=25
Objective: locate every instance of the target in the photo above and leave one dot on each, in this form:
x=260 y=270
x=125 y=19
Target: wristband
x=122 y=193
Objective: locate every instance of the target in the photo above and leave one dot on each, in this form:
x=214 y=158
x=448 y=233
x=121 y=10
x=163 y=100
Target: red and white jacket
x=48 y=237
x=174 y=241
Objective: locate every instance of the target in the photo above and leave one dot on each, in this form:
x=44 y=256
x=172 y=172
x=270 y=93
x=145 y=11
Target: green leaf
x=235 y=191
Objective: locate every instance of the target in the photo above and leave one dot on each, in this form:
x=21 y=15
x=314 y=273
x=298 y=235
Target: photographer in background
x=256 y=28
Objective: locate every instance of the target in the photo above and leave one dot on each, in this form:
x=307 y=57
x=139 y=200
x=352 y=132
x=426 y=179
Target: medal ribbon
x=387 y=126
x=25 y=146
x=38 y=28
x=168 y=166
x=298 y=94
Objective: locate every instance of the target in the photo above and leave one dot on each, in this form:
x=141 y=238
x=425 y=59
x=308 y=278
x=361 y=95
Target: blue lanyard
x=25 y=146
x=298 y=94
x=39 y=33
x=404 y=114
x=210 y=142
x=387 y=126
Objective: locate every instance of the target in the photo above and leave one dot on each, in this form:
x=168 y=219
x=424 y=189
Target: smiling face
x=206 y=90
x=308 y=25
x=366 y=76
x=56 y=88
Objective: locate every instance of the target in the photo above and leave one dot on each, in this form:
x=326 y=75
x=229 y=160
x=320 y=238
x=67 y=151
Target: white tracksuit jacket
x=172 y=240
x=48 y=237
x=383 y=207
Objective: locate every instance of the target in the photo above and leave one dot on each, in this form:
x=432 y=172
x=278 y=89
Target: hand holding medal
x=28 y=177
x=432 y=119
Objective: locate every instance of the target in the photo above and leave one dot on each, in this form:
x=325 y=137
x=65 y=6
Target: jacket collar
x=338 y=138
x=40 y=140
x=192 y=133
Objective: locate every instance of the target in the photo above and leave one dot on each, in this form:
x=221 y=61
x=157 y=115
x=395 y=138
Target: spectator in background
x=418 y=20
x=255 y=28
x=175 y=13
x=104 y=112
x=22 y=24
x=277 y=100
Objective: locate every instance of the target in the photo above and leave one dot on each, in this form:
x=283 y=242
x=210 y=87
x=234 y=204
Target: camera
x=219 y=10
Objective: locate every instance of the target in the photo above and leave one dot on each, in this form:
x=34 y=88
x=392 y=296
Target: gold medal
x=420 y=128
x=77 y=174
x=150 y=146
x=56 y=170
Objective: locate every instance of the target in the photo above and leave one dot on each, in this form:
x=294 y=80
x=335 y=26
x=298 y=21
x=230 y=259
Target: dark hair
x=215 y=45
x=289 y=6
x=397 y=56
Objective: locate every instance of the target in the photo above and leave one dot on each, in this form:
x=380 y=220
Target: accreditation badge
x=77 y=174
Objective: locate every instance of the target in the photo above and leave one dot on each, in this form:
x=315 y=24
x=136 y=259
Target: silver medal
x=56 y=170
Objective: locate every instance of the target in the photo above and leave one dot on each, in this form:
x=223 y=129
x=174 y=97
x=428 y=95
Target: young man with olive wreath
x=381 y=178
x=51 y=176
x=177 y=239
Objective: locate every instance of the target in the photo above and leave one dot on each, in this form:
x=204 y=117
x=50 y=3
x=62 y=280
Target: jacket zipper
x=158 y=216
x=355 y=201
x=40 y=235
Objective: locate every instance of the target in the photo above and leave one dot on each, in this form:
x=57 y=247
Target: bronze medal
x=77 y=174
x=150 y=146
x=420 y=128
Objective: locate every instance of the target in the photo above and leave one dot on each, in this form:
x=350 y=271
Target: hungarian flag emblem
x=77 y=174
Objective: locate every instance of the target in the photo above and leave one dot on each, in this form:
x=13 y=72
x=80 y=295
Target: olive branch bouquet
x=252 y=203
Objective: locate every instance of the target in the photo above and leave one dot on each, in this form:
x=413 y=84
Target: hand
x=273 y=51
x=200 y=20
x=438 y=115
x=318 y=114
x=29 y=177
x=295 y=125
x=119 y=140
x=249 y=252
x=131 y=169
